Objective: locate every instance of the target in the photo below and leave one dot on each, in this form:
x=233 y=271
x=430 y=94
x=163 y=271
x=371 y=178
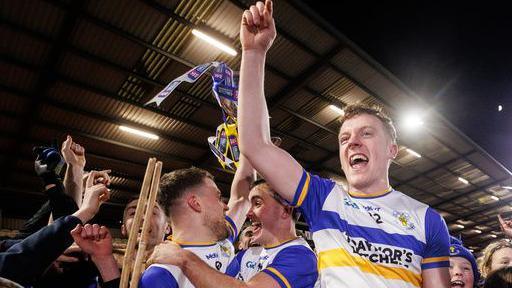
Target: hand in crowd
x=258 y=30
x=506 y=226
x=73 y=153
x=167 y=253
x=97 y=177
x=94 y=240
x=94 y=196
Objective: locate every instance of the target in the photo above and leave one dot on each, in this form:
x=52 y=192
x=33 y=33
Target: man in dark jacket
x=24 y=261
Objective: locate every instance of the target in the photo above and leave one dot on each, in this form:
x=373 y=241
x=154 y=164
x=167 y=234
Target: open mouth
x=457 y=283
x=358 y=161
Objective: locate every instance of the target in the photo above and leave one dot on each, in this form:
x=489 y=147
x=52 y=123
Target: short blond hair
x=357 y=109
x=486 y=259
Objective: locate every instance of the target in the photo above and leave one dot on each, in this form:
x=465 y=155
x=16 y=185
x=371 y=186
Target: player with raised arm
x=367 y=235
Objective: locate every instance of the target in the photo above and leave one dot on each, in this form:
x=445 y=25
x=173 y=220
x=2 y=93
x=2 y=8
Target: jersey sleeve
x=437 y=250
x=311 y=194
x=157 y=277
x=295 y=266
x=233 y=231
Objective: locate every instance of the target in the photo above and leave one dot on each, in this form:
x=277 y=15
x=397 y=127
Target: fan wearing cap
x=463 y=268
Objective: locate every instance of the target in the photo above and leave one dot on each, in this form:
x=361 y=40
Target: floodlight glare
x=139 y=132
x=212 y=41
x=336 y=109
x=413 y=121
x=463 y=180
x=413 y=153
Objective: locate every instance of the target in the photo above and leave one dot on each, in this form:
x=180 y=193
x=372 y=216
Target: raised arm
x=74 y=155
x=257 y=33
x=239 y=203
x=436 y=278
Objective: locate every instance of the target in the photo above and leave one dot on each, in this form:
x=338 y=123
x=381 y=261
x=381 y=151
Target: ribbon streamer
x=224 y=144
x=191 y=76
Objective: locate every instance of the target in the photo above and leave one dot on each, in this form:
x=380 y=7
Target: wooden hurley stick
x=141 y=252
x=139 y=212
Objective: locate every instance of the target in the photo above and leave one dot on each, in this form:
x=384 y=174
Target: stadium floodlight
x=214 y=42
x=139 y=132
x=336 y=109
x=413 y=153
x=463 y=180
x=413 y=121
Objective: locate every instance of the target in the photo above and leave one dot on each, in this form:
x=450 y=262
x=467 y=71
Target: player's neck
x=280 y=236
x=376 y=188
x=199 y=234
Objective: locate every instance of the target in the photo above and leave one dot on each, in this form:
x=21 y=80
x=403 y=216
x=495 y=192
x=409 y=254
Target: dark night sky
x=457 y=56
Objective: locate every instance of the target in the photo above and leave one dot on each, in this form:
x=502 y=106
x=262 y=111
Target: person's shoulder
x=296 y=257
x=158 y=269
x=157 y=275
x=409 y=202
x=298 y=248
x=316 y=177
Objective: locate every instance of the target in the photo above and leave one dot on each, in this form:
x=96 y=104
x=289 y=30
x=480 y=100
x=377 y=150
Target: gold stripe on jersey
x=342 y=258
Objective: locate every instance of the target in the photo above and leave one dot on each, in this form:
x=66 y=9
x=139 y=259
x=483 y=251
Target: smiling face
x=366 y=151
x=157 y=229
x=265 y=214
x=461 y=273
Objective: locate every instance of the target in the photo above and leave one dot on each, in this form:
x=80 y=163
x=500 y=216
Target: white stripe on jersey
x=217 y=255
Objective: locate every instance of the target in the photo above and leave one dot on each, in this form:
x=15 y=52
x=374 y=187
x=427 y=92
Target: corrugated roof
x=113 y=56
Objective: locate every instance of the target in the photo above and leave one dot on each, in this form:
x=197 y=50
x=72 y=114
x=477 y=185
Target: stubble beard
x=218 y=227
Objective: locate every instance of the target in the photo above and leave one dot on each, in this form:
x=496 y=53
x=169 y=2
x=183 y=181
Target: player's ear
x=287 y=212
x=393 y=150
x=167 y=228
x=193 y=202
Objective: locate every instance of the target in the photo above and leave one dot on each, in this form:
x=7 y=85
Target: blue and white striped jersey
x=380 y=240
